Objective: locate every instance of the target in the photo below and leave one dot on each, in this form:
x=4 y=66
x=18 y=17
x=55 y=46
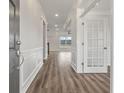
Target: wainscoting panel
x=33 y=60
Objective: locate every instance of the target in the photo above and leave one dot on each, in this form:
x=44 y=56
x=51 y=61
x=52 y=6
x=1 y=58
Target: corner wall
x=73 y=17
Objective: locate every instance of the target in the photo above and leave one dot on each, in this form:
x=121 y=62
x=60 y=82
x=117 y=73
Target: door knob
x=105 y=48
x=18 y=42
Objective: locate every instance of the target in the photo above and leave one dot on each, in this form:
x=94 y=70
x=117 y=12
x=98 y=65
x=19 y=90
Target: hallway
x=78 y=36
x=57 y=76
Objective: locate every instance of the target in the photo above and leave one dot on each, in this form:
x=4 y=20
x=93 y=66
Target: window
x=65 y=40
x=68 y=40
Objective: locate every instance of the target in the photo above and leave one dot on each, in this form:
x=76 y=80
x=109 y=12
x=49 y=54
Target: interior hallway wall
x=31 y=36
x=78 y=38
x=73 y=18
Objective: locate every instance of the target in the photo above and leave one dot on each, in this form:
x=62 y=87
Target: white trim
x=31 y=77
x=95 y=69
x=74 y=67
x=94 y=13
x=44 y=19
x=31 y=50
x=91 y=5
x=46 y=24
x=28 y=54
x=45 y=58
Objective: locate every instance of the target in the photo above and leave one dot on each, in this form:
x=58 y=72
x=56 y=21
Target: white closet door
x=95 y=46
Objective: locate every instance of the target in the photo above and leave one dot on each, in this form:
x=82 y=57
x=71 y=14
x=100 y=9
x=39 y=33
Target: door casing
x=95 y=69
x=14 y=46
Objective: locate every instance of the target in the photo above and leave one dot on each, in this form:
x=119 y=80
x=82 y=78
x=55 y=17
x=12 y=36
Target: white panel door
x=95 y=46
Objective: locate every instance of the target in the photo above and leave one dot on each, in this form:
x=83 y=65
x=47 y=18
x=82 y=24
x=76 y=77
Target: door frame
x=104 y=69
x=14 y=48
x=43 y=21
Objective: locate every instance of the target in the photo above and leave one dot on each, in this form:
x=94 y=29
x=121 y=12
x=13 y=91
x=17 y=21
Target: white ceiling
x=61 y=7
x=104 y=5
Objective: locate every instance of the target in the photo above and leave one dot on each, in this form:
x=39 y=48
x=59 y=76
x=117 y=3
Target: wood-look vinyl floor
x=57 y=76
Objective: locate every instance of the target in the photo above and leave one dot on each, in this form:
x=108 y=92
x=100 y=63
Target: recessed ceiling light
x=56 y=15
x=56 y=25
x=97 y=4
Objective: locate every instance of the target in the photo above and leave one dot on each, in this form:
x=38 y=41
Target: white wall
x=80 y=41
x=73 y=17
x=31 y=36
x=54 y=41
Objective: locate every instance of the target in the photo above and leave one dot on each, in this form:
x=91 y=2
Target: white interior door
x=95 y=46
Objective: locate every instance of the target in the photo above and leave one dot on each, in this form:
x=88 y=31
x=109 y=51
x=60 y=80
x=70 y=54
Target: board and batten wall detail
x=31 y=36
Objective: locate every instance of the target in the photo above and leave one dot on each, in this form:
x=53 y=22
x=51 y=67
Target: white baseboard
x=79 y=71
x=45 y=58
x=74 y=67
x=109 y=65
x=31 y=78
